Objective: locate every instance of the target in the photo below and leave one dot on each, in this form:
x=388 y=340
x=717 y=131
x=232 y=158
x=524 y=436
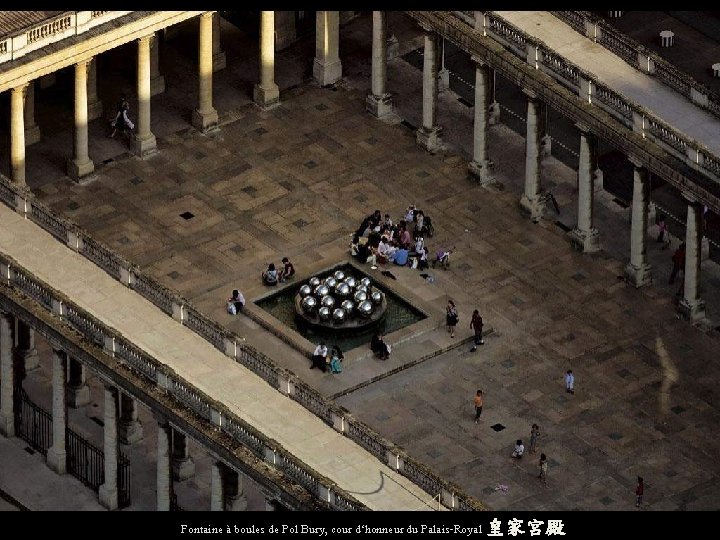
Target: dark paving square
x=517 y=301
x=250 y=190
x=237 y=249
x=606 y=500
x=677 y=409
x=579 y=276
x=497 y=427
x=382 y=416
x=434 y=453
x=300 y=223
x=371 y=140
x=561 y=399
x=321 y=107
x=422 y=174
x=286 y=184
x=361 y=198
x=73 y=206
x=525 y=242
x=260 y=131
x=615 y=436
x=200 y=155
x=310 y=164
x=670 y=473
x=174 y=274
x=508 y=364
x=123 y=240
x=136 y=180
x=623 y=373
x=187 y=215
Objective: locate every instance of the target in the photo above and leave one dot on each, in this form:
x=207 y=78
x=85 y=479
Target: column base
x=32 y=134
x=30 y=359
x=393 y=48
x=95 y=109
x=57 y=460
x=144 y=148
x=481 y=171
x=585 y=241
x=329 y=73
x=78 y=396
x=545 y=146
x=157 y=85
x=494 y=113
x=692 y=310
x=7 y=425
x=532 y=207
x=429 y=139
x=443 y=80
x=266 y=98
x=205 y=121
x=182 y=469
x=130 y=432
x=219 y=61
x=638 y=276
x=379 y=106
x=238 y=503
x=108 y=497
x=78 y=170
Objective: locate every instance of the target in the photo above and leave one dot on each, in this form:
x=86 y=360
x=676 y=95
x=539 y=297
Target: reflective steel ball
x=331 y=282
x=309 y=303
x=360 y=296
x=328 y=301
x=321 y=290
x=365 y=308
x=365 y=281
x=305 y=290
x=339 y=275
x=339 y=315
x=314 y=281
x=324 y=313
x=361 y=288
x=342 y=289
x=376 y=297
x=351 y=282
x=348 y=306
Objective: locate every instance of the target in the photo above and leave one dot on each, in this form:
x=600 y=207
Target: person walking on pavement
x=534 y=434
x=478 y=400
x=451 y=317
x=543 y=469
x=639 y=490
x=476 y=324
x=569 y=382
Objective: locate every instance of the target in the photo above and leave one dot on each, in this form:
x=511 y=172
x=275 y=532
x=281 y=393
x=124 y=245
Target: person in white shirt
x=319 y=358
x=569 y=382
x=236 y=302
x=519 y=449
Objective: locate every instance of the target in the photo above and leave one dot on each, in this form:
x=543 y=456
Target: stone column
x=57 y=455
x=267 y=94
x=80 y=165
x=25 y=346
x=205 y=117
x=144 y=143
x=235 y=498
x=7 y=377
x=78 y=393
x=692 y=306
x=95 y=106
x=545 y=139
x=493 y=106
x=217 y=490
x=164 y=478
x=219 y=61
x=183 y=466
x=638 y=272
x=327 y=68
x=584 y=236
x=108 y=493
x=157 y=80
x=530 y=201
x=379 y=102
x=479 y=167
x=428 y=136
x=443 y=72
x=130 y=429
x=17 y=134
x=32 y=130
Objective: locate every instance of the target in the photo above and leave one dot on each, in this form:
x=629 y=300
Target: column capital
x=479 y=62
x=530 y=94
x=583 y=129
x=20 y=88
x=637 y=162
x=208 y=14
x=146 y=39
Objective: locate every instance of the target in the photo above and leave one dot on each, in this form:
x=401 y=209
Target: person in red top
x=678 y=260
x=288 y=270
x=639 y=492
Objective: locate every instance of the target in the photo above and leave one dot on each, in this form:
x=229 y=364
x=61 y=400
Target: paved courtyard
x=297 y=180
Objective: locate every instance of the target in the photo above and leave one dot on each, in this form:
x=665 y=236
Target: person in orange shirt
x=478 y=405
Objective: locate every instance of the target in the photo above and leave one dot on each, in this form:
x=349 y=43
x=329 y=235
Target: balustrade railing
x=153 y=292
x=41 y=215
x=206 y=328
x=103 y=257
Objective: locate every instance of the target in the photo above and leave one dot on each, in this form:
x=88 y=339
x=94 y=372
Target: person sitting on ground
x=270 y=276
x=401 y=256
x=443 y=257
x=385 y=251
x=419 y=244
x=336 y=358
x=319 y=358
x=379 y=347
x=406 y=239
x=236 y=302
x=369 y=223
x=387 y=222
x=423 y=262
x=288 y=270
x=519 y=449
x=419 y=223
x=355 y=246
x=410 y=213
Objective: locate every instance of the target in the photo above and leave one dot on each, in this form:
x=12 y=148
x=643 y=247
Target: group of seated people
x=273 y=276
x=333 y=361
x=379 y=241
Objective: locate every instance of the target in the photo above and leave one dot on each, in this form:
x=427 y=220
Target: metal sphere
x=376 y=297
x=321 y=290
x=360 y=296
x=339 y=315
x=305 y=290
x=351 y=282
x=365 y=281
x=339 y=275
x=365 y=308
x=314 y=281
x=348 y=306
x=361 y=288
x=324 y=313
x=328 y=301
x=342 y=289
x=309 y=303
x=331 y=282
